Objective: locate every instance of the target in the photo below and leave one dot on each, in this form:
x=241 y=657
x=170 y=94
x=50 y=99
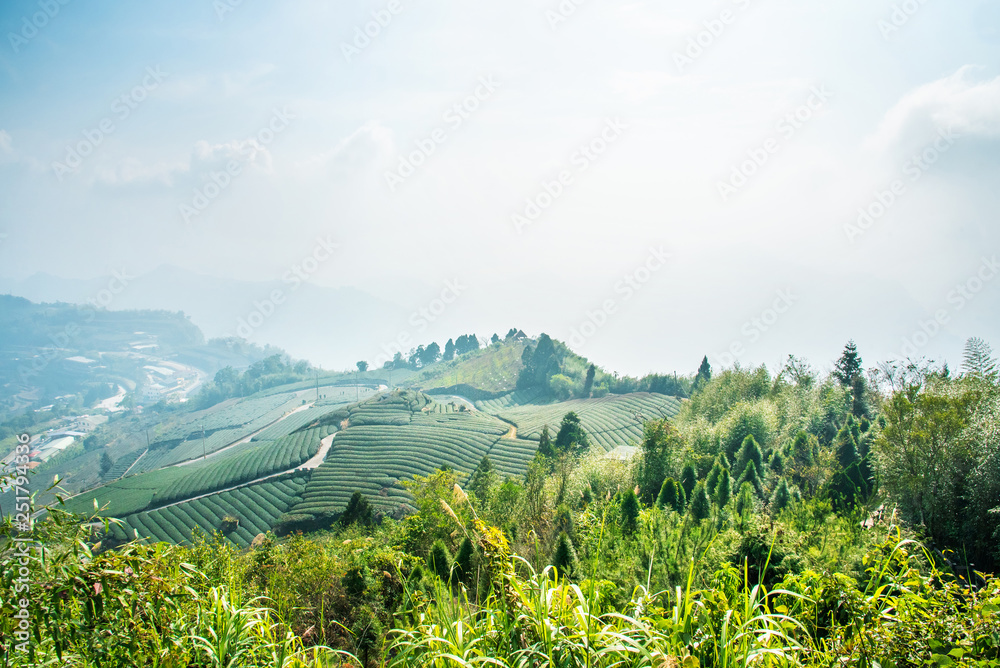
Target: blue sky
x=883 y=78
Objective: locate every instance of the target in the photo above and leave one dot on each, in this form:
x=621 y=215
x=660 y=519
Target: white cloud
x=209 y=157
x=956 y=102
x=370 y=143
x=205 y=159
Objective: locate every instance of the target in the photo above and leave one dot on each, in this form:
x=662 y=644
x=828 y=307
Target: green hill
x=226 y=459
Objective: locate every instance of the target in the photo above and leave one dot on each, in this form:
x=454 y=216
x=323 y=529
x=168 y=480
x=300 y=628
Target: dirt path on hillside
x=137 y=460
x=245 y=439
x=512 y=432
x=317 y=459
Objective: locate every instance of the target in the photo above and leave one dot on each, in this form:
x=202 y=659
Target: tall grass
x=541 y=619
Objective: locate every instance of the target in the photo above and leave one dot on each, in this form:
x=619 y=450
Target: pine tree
x=439 y=560
x=669 y=497
x=106 y=463
x=859 y=401
x=688 y=479
x=704 y=374
x=495 y=338
x=660 y=441
x=745 y=499
x=564 y=556
x=846 y=484
x=713 y=478
x=777 y=463
x=545 y=448
x=751 y=477
x=849 y=366
x=978 y=360
x=802 y=449
x=749 y=452
x=724 y=490
x=588 y=383
x=358 y=511
x=571 y=434
x=700 y=506
x=629 y=512
x=781 y=497
x=462 y=572
x=449 y=351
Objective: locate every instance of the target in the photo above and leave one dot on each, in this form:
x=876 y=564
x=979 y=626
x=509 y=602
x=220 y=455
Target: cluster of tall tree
x=422 y=356
x=274 y=370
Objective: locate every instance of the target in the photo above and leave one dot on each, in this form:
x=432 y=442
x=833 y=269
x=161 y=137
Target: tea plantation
x=169 y=485
x=609 y=421
x=380 y=442
x=256 y=509
x=395 y=436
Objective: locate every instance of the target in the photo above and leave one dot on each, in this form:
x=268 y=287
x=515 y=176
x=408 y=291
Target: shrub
x=564 y=556
x=439 y=560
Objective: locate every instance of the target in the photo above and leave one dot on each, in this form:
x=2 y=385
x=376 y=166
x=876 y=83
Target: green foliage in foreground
x=773 y=523
x=327 y=601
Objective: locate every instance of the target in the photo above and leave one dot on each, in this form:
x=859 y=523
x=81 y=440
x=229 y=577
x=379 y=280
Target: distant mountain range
x=328 y=326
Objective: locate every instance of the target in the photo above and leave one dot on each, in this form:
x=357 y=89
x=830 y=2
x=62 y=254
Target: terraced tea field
x=609 y=421
x=222 y=428
x=382 y=441
x=239 y=465
x=292 y=423
x=394 y=437
x=515 y=398
x=373 y=458
x=257 y=507
x=511 y=456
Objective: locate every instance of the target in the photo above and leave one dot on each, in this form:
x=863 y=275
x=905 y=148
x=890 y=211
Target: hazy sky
x=669 y=170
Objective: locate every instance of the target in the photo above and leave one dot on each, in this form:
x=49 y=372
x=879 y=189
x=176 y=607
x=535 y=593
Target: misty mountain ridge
x=307 y=320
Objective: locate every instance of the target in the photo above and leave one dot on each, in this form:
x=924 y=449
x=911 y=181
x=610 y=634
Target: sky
x=650 y=181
